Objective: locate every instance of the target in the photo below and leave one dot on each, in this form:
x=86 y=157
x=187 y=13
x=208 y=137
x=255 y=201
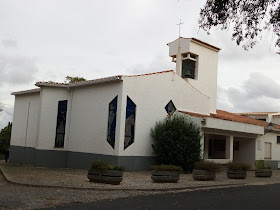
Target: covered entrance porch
x=228 y=140
x=227 y=148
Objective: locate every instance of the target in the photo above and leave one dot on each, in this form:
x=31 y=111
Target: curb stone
x=118 y=189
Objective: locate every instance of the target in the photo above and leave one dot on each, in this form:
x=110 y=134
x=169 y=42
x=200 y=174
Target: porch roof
x=224 y=115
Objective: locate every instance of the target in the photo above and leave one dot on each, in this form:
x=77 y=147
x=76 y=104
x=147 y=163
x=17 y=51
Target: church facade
x=72 y=124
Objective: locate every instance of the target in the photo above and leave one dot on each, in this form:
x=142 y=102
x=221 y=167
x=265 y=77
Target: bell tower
x=197 y=63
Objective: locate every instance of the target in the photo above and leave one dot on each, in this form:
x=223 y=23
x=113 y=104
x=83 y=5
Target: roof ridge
x=138 y=75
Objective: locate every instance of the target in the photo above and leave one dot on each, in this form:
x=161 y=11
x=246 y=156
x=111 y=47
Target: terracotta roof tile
x=224 y=115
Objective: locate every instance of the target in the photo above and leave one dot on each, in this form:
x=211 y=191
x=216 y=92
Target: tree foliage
x=248 y=17
x=75 y=79
x=5 y=137
x=177 y=142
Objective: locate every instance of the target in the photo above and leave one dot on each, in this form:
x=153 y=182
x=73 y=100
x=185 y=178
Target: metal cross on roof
x=179 y=24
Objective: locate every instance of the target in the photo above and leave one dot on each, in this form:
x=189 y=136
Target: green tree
x=249 y=19
x=5 y=137
x=75 y=79
x=177 y=142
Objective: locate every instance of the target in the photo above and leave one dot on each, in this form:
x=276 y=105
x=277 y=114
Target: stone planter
x=263 y=172
x=165 y=176
x=236 y=174
x=108 y=177
x=203 y=175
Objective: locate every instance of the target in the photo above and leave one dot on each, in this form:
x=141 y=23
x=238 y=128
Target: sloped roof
x=95 y=81
x=84 y=83
x=139 y=75
x=256 y=113
x=224 y=115
x=36 y=90
x=205 y=43
x=199 y=41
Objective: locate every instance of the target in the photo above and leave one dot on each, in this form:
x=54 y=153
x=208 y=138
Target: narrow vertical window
x=60 y=123
x=170 y=108
x=112 y=122
x=129 y=123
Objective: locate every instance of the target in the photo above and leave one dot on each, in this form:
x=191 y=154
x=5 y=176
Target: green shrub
x=101 y=165
x=177 y=142
x=261 y=165
x=5 y=137
x=238 y=166
x=116 y=168
x=207 y=165
x=167 y=168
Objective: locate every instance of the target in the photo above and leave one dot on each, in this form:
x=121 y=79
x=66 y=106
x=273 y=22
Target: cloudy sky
x=46 y=40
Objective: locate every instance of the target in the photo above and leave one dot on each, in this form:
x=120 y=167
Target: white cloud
x=7 y=43
x=258 y=94
x=48 y=40
x=16 y=69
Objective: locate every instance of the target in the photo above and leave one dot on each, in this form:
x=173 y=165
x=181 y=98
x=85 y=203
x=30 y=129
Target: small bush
x=207 y=165
x=177 y=142
x=167 y=168
x=238 y=166
x=101 y=165
x=261 y=165
x=116 y=168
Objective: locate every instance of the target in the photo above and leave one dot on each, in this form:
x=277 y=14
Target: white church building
x=72 y=124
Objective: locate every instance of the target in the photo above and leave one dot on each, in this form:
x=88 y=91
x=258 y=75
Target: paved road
x=265 y=197
x=24 y=197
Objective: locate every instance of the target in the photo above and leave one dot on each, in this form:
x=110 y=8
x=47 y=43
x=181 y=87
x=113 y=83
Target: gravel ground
x=26 y=197
x=131 y=180
x=23 y=197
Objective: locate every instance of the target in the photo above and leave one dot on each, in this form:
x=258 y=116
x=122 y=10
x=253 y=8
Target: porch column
x=229 y=147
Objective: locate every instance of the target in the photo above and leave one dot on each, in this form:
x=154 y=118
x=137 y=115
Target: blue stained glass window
x=60 y=123
x=170 y=108
x=112 y=121
x=129 y=123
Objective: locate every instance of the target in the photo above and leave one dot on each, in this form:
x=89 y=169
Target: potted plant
x=101 y=171
x=236 y=170
x=262 y=169
x=166 y=173
x=205 y=170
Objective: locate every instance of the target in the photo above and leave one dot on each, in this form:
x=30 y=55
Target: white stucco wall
x=246 y=152
x=276 y=120
x=233 y=126
x=184 y=46
x=207 y=72
x=275 y=148
x=151 y=94
x=25 y=120
x=50 y=96
x=89 y=120
x=206 y=66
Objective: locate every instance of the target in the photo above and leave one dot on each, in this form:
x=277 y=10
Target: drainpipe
x=68 y=127
x=26 y=131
